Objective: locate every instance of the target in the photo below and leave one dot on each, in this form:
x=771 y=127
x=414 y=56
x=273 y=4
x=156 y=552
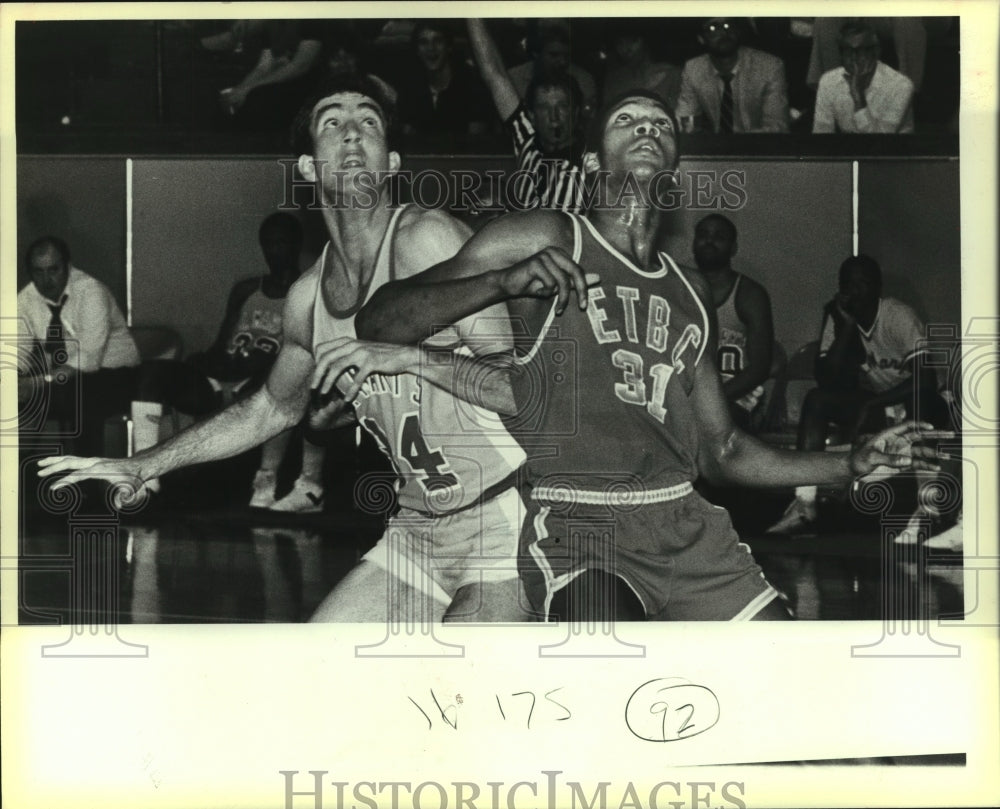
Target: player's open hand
x=897 y=449
x=549 y=272
x=123 y=471
x=348 y=363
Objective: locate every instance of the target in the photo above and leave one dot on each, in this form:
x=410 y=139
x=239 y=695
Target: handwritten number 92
x=670 y=709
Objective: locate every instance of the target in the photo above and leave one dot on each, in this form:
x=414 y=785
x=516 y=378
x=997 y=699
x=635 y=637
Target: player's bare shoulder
x=425 y=237
x=535 y=230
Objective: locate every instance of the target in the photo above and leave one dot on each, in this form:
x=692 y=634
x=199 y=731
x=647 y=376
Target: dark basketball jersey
x=603 y=395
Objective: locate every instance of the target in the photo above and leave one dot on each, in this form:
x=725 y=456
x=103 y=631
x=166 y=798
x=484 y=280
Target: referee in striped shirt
x=547 y=142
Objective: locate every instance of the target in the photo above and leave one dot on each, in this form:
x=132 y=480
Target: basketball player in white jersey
x=451 y=549
x=743 y=310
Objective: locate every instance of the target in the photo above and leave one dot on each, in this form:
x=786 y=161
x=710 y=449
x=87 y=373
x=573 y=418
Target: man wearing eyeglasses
x=732 y=88
x=865 y=95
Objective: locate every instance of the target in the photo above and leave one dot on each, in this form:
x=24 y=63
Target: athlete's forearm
x=743 y=460
x=236 y=429
x=412 y=309
x=480 y=380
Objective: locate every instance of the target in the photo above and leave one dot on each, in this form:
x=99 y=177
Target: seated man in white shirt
x=77 y=361
x=865 y=95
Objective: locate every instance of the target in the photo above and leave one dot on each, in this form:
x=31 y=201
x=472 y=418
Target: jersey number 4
x=429 y=464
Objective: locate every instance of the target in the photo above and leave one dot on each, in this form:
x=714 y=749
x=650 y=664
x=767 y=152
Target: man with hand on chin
x=865 y=95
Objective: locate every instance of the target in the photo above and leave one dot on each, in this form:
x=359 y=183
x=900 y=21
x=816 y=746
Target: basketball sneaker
x=306 y=497
x=920 y=519
x=949 y=540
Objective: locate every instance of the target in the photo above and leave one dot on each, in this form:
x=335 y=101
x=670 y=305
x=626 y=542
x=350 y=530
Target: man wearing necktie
x=77 y=359
x=732 y=88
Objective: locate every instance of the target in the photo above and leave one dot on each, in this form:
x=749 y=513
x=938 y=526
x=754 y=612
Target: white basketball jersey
x=446 y=452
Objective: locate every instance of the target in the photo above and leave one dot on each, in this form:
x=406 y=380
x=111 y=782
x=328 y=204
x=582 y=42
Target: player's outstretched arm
x=277 y=406
x=728 y=455
x=518 y=255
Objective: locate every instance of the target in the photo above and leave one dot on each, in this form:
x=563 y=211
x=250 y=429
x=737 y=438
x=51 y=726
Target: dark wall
x=794 y=228
x=909 y=220
x=195 y=235
x=196 y=220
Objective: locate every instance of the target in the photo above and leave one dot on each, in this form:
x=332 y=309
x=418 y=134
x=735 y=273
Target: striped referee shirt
x=542 y=182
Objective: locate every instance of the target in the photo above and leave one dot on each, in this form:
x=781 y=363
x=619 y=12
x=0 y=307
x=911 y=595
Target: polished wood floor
x=198 y=554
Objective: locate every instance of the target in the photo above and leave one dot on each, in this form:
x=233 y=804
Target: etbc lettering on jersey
x=645 y=325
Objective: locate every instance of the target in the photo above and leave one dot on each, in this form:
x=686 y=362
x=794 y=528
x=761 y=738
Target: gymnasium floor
x=197 y=554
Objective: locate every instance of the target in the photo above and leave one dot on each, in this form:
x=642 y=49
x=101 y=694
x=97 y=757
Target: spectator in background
x=632 y=66
x=865 y=95
x=549 y=48
x=77 y=360
x=289 y=64
x=445 y=97
x=732 y=88
x=545 y=128
x=746 y=331
x=908 y=36
x=235 y=38
x=80 y=330
x=345 y=56
x=865 y=370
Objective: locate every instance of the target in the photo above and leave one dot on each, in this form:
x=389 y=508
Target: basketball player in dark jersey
x=626 y=403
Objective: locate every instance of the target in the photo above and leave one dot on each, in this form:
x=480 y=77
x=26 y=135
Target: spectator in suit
x=732 y=88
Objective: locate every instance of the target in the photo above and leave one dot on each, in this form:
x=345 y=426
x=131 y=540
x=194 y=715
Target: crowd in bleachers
x=243 y=77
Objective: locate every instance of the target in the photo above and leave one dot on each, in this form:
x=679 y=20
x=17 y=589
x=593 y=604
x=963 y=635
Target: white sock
x=807 y=494
x=312 y=462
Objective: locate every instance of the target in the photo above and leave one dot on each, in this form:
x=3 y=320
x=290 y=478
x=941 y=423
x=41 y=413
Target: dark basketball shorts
x=677 y=552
